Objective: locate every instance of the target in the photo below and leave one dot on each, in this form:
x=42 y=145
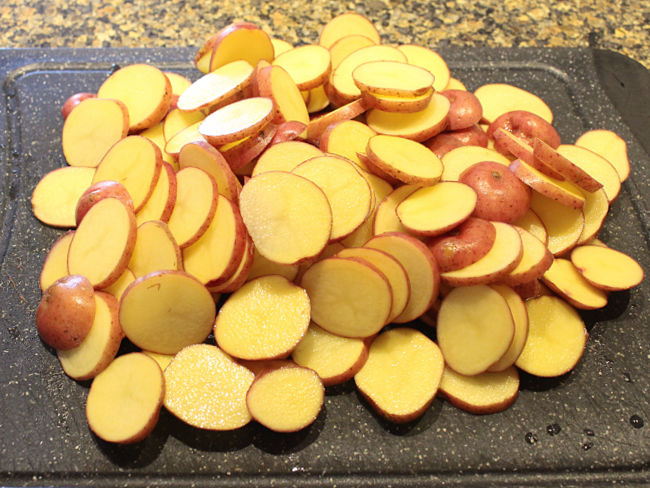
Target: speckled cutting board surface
x=577 y=430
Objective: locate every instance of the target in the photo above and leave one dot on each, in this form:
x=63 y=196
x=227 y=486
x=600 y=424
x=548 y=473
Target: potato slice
x=595 y=166
x=190 y=134
x=483 y=393
x=556 y=338
x=397 y=104
x=317 y=126
x=421 y=269
x=563 y=192
x=176 y=121
x=145 y=91
x=347 y=191
x=401 y=375
x=179 y=84
x=262 y=266
x=98 y=191
x=91 y=129
x=429 y=60
x=433 y=210
x=361 y=292
x=475 y=328
x=165 y=311
x=160 y=204
x=288 y=216
x=240 y=275
x=545 y=154
x=156 y=134
x=135 y=162
x=455 y=84
x=203 y=156
x=55 y=265
x=241 y=154
x=520 y=320
x=100 y=346
x=163 y=360
x=55 y=197
x=499 y=98
x=610 y=146
x=318 y=100
x=393 y=78
x=155 y=249
x=347 y=45
x=334 y=358
x=205 y=388
x=594 y=211
x=607 y=268
x=347 y=139
x=275 y=83
x=240 y=40
x=535 y=260
x=385 y=219
x=564 y=278
x=459 y=159
x=280 y=46
x=124 y=400
x=285 y=156
x=346 y=24
x=530 y=222
x=563 y=224
x=308 y=65
x=286 y=399
x=118 y=288
x=103 y=243
x=237 y=120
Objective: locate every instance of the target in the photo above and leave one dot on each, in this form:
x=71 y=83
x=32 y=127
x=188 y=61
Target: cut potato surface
x=610 y=146
x=286 y=399
x=203 y=156
x=237 y=120
x=317 y=126
x=556 y=338
x=155 y=249
x=347 y=139
x=160 y=204
x=347 y=45
x=531 y=223
x=55 y=197
x=274 y=82
x=520 y=319
x=176 y=121
x=566 y=280
x=265 y=319
x=156 y=135
x=308 y=65
x=429 y=60
x=190 y=134
x=535 y=260
x=165 y=311
x=163 y=360
x=346 y=24
x=459 y=159
x=595 y=211
x=499 y=98
x=563 y=224
x=118 y=287
x=596 y=166
x=262 y=266
x=285 y=156
x=397 y=103
x=288 y=216
x=401 y=375
x=563 y=192
x=205 y=388
x=91 y=129
x=125 y=399
x=55 y=265
x=392 y=78
x=103 y=243
x=607 y=268
x=385 y=218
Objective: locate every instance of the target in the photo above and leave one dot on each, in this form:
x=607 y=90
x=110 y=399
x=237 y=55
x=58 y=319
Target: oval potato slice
x=55 y=197
x=607 y=268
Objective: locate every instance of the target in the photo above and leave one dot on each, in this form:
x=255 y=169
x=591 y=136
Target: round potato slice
x=345 y=25
x=155 y=249
x=237 y=120
x=308 y=65
x=564 y=278
x=392 y=78
x=55 y=265
x=607 y=268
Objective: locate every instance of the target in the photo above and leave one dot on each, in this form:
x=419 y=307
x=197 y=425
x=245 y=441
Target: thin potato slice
x=203 y=156
x=285 y=156
x=563 y=224
x=530 y=222
x=520 y=320
x=563 y=192
x=274 y=82
x=596 y=166
x=346 y=24
x=595 y=211
x=161 y=203
x=499 y=98
x=240 y=275
x=155 y=249
x=459 y=159
x=118 y=287
x=165 y=311
x=346 y=139
x=385 y=219
x=186 y=136
x=156 y=134
x=280 y=46
x=55 y=265
x=240 y=40
x=55 y=197
x=308 y=65
x=176 y=121
x=429 y=60
x=397 y=104
x=318 y=99
x=392 y=78
x=566 y=280
x=237 y=120
x=317 y=126
x=535 y=260
x=262 y=266
x=607 y=268
x=610 y=146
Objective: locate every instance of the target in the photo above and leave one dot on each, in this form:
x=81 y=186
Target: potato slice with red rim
x=433 y=210
x=160 y=204
x=286 y=399
x=155 y=249
x=145 y=91
x=535 y=260
x=176 y=121
x=103 y=243
x=91 y=129
x=135 y=162
x=265 y=319
x=421 y=269
x=308 y=65
x=459 y=159
x=240 y=154
x=607 y=268
x=429 y=60
x=262 y=266
x=610 y=146
x=280 y=46
x=401 y=375
x=186 y=136
x=118 y=287
x=464 y=245
x=520 y=319
x=501 y=259
x=98 y=191
x=237 y=120
x=241 y=40
x=596 y=166
x=573 y=173
x=532 y=223
x=100 y=346
x=499 y=98
x=347 y=45
x=204 y=156
x=179 y=84
x=334 y=358
x=563 y=224
x=484 y=393
x=55 y=197
x=563 y=192
x=240 y=275
x=346 y=139
x=288 y=216
x=317 y=100
x=347 y=191
x=156 y=134
x=556 y=338
x=165 y=311
x=55 y=265
x=398 y=104
x=344 y=25
x=392 y=78
x=475 y=328
x=566 y=280
x=418 y=126
x=275 y=83
x=595 y=211
x=317 y=126
x=285 y=156
x=362 y=292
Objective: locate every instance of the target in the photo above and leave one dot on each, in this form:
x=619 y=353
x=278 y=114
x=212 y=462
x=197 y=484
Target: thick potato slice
x=237 y=120
x=433 y=210
x=308 y=65
x=203 y=156
x=288 y=216
x=385 y=218
x=499 y=98
x=286 y=399
x=55 y=197
x=103 y=243
x=459 y=159
x=607 y=268
x=285 y=156
x=475 y=328
x=401 y=375
x=100 y=346
x=520 y=320
x=347 y=45
x=483 y=393
x=429 y=60
x=135 y=162
x=348 y=297
x=165 y=311
x=145 y=91
x=124 y=400
x=317 y=126
x=345 y=25
x=535 y=260
x=335 y=359
x=265 y=319
x=160 y=204
x=346 y=139
x=566 y=280
x=275 y=83
x=563 y=192
x=91 y=129
x=205 y=388
x=55 y=265
x=563 y=224
x=610 y=146
x=155 y=249
x=392 y=78
x=556 y=338
x=595 y=166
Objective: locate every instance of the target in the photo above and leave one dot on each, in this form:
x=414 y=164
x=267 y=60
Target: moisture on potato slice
x=607 y=268
x=155 y=249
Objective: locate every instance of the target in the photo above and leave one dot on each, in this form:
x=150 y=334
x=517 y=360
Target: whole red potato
x=465 y=109
x=73 y=101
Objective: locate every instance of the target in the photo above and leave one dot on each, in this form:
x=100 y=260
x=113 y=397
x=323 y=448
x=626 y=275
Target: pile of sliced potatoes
x=321 y=193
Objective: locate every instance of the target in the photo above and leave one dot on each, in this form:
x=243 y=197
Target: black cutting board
x=44 y=439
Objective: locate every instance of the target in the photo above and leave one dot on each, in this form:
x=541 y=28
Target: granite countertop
x=623 y=27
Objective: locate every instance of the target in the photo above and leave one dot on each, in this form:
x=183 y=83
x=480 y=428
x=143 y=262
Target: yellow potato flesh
x=475 y=328
x=177 y=120
x=380 y=190
x=385 y=219
x=405 y=159
x=346 y=24
x=564 y=278
x=280 y=46
x=118 y=287
x=564 y=192
x=402 y=373
x=563 y=224
x=162 y=198
x=596 y=166
x=163 y=360
x=187 y=135
x=429 y=60
x=124 y=400
x=610 y=146
x=166 y=311
x=207 y=389
x=264 y=319
x=531 y=223
x=91 y=129
x=216 y=86
x=520 y=319
x=288 y=216
x=595 y=211
x=435 y=209
x=262 y=266
x=286 y=399
x=56 y=262
x=556 y=337
x=156 y=135
x=155 y=249
x=103 y=243
x=499 y=98
x=285 y=156
x=348 y=298
x=286 y=95
x=250 y=45
x=54 y=200
x=347 y=45
x=607 y=268
x=178 y=82
x=533 y=253
x=237 y=120
x=307 y=65
x=349 y=138
x=459 y=159
x=482 y=393
x=213 y=163
x=393 y=79
x=318 y=99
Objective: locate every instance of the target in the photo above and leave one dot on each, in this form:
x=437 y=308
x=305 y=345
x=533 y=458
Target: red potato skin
x=446 y=141
x=98 y=191
x=66 y=312
x=463 y=246
x=526 y=126
x=240 y=155
x=465 y=109
x=289 y=131
x=501 y=195
x=73 y=101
